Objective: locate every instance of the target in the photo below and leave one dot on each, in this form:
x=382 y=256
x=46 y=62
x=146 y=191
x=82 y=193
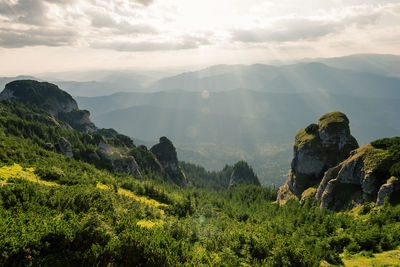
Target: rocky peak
x=243 y=174
x=165 y=153
x=317 y=148
x=51 y=98
x=43 y=94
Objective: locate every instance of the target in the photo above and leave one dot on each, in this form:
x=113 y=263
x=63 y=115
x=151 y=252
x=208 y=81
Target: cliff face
x=166 y=154
x=367 y=175
x=316 y=149
x=51 y=98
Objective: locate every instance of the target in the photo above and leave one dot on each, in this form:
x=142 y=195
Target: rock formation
x=120 y=162
x=243 y=174
x=165 y=152
x=55 y=101
x=43 y=94
x=316 y=149
x=64 y=147
x=386 y=190
x=79 y=120
x=360 y=178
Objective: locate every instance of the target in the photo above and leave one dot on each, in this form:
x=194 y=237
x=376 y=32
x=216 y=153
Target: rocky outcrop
x=120 y=162
x=128 y=165
x=43 y=94
x=316 y=149
x=243 y=174
x=386 y=190
x=165 y=153
x=64 y=147
x=55 y=101
x=79 y=120
x=356 y=180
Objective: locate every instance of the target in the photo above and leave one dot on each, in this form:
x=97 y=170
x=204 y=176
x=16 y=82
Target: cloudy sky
x=60 y=35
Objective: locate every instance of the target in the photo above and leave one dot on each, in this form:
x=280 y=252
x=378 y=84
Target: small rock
x=64 y=147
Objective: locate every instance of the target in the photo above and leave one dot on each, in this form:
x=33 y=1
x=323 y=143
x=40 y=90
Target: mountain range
x=225 y=113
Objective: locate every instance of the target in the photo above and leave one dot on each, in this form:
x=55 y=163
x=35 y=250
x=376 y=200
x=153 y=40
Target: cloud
x=26 y=11
x=106 y=21
x=144 y=25
x=22 y=38
x=145 y=2
x=293 y=30
x=308 y=28
x=62 y=22
x=187 y=42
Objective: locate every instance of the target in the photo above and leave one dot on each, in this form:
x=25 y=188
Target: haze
x=49 y=35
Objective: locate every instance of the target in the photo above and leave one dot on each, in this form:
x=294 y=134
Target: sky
x=63 y=35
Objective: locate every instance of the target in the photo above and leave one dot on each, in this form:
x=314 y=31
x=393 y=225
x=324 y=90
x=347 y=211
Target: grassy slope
x=387 y=258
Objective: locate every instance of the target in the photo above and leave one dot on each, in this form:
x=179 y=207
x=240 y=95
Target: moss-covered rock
x=363 y=177
x=317 y=148
x=42 y=94
x=51 y=98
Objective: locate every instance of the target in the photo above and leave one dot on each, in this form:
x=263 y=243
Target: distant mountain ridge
x=300 y=77
x=381 y=64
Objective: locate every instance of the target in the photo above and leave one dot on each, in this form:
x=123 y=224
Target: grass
x=150 y=202
x=387 y=258
x=332 y=117
x=372 y=157
x=308 y=193
x=302 y=138
x=127 y=193
x=148 y=224
x=16 y=171
x=103 y=186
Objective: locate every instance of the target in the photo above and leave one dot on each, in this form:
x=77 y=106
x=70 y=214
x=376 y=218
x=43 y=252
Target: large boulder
x=317 y=148
x=166 y=154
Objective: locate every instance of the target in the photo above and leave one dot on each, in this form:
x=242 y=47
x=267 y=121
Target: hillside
x=60 y=210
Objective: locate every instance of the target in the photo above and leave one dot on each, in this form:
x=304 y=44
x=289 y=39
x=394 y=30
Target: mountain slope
x=56 y=210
